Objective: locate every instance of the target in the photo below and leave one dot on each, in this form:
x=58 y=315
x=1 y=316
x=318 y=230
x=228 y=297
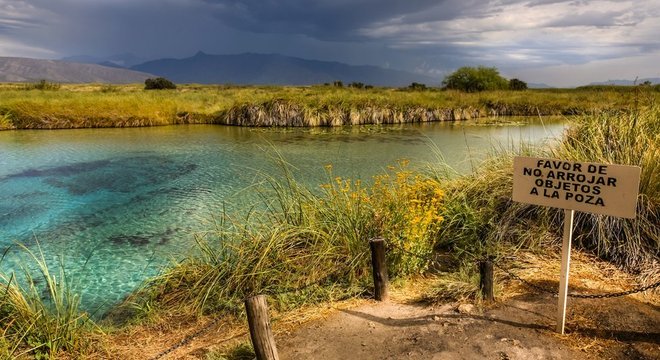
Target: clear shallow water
x=114 y=205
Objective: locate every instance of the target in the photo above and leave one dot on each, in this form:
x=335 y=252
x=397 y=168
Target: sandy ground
x=520 y=328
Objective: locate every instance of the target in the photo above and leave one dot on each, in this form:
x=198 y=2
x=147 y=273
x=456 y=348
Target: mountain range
x=14 y=69
x=274 y=69
x=124 y=60
x=240 y=69
x=202 y=68
x=627 y=82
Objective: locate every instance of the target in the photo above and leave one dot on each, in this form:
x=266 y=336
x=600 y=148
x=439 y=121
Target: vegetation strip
x=91 y=106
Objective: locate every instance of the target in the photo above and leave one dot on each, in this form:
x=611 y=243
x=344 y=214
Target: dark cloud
x=325 y=19
x=431 y=36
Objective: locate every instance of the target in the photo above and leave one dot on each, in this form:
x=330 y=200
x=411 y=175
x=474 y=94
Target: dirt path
x=520 y=325
x=520 y=328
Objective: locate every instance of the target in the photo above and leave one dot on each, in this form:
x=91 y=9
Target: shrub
x=338 y=84
x=42 y=85
x=516 y=84
x=471 y=79
x=357 y=85
x=158 y=83
x=417 y=86
x=109 y=88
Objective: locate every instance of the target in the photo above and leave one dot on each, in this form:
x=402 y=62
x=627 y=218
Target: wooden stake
x=379 y=267
x=261 y=334
x=565 y=266
x=486 y=280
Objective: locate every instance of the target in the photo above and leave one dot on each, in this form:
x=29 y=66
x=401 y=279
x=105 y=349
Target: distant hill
x=124 y=60
x=25 y=70
x=538 y=86
x=627 y=82
x=274 y=69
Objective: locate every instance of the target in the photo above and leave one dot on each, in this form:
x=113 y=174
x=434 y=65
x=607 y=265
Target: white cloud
x=563 y=32
x=9 y=47
x=642 y=66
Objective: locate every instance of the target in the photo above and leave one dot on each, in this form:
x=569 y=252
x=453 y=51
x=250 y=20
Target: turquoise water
x=114 y=205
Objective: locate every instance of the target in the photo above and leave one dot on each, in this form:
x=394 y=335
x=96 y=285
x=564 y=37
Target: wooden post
x=379 y=267
x=565 y=266
x=260 y=331
x=486 y=280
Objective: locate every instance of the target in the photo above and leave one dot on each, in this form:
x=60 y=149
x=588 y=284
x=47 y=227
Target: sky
x=556 y=42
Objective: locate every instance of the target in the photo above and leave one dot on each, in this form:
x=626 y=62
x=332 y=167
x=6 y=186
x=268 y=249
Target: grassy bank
x=304 y=246
x=84 y=106
x=303 y=239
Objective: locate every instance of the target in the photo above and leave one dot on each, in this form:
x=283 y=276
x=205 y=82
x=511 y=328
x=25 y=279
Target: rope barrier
x=429 y=259
x=187 y=339
x=577 y=295
x=540 y=288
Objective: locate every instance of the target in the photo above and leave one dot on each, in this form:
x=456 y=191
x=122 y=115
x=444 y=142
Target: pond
x=112 y=206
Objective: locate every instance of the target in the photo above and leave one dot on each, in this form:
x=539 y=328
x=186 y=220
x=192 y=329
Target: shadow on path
x=620 y=335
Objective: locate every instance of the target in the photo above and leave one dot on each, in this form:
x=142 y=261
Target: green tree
x=158 y=84
x=417 y=86
x=516 y=84
x=471 y=79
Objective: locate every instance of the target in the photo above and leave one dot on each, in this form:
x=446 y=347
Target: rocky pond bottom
x=112 y=206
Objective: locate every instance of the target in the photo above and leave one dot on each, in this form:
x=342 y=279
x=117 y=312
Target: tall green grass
x=481 y=219
x=628 y=138
x=97 y=105
x=301 y=238
x=40 y=317
x=5 y=122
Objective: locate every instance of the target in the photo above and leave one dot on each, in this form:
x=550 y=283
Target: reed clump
x=5 y=122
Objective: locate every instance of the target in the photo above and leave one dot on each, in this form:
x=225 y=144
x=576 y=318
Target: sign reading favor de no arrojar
x=591 y=187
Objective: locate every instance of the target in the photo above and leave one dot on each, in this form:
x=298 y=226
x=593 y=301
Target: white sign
x=589 y=187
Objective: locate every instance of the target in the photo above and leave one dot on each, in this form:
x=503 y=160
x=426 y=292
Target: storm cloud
x=528 y=39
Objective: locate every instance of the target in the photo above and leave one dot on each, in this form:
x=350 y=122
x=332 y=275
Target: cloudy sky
x=557 y=42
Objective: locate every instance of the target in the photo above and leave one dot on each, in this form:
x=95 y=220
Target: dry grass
x=588 y=275
x=102 y=105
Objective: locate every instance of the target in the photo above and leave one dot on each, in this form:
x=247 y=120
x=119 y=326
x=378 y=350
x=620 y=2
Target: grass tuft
x=41 y=317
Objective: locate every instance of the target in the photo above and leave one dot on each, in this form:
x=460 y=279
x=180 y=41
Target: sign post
x=590 y=187
x=565 y=265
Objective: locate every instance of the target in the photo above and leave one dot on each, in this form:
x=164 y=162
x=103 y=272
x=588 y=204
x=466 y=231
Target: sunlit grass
x=100 y=105
x=40 y=316
x=480 y=216
x=301 y=237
